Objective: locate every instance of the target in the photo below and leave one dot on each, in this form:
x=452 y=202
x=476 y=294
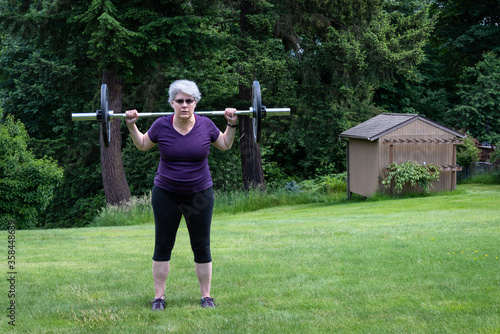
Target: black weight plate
x=257 y=111
x=105 y=119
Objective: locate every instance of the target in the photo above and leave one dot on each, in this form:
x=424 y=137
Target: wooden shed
x=388 y=138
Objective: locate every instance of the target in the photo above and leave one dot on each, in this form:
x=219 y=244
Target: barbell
x=257 y=111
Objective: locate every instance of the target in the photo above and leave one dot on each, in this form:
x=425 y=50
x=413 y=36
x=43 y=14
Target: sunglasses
x=181 y=101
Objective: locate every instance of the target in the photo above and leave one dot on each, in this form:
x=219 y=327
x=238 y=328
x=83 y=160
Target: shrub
x=26 y=184
x=410 y=173
x=334 y=183
x=467 y=152
x=327 y=184
x=293 y=187
x=495 y=156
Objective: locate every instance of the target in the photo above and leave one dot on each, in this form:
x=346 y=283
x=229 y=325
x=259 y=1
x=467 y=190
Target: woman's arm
x=225 y=140
x=141 y=141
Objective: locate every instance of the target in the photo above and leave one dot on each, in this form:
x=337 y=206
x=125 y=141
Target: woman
x=183 y=185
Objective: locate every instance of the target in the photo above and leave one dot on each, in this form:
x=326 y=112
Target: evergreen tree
x=479 y=108
x=346 y=50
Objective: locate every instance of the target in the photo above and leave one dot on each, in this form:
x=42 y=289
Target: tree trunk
x=115 y=184
x=251 y=161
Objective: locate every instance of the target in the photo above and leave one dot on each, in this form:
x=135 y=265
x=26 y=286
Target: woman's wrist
x=232 y=125
x=131 y=126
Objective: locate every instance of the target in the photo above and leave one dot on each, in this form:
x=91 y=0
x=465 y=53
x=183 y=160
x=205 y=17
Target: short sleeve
x=154 y=129
x=212 y=130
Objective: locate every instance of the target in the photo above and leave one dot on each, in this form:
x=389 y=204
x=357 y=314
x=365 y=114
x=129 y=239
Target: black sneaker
x=157 y=304
x=207 y=302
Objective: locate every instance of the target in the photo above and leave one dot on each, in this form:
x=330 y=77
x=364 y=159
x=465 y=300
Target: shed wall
x=433 y=153
x=363 y=156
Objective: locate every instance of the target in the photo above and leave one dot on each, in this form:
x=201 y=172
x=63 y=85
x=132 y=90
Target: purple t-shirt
x=183 y=164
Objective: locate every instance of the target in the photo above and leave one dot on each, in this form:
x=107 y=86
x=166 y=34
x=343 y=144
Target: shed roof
x=385 y=123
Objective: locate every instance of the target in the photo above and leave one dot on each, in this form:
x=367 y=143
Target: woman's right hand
x=132 y=116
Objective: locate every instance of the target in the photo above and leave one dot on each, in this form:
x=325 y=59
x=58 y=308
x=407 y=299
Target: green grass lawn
x=415 y=265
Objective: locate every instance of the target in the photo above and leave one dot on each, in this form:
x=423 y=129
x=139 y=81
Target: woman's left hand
x=230 y=116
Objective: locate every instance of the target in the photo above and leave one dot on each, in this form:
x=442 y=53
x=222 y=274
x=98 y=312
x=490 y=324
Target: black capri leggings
x=168 y=208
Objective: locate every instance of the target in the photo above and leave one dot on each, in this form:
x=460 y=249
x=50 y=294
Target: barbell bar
x=257 y=111
x=93 y=116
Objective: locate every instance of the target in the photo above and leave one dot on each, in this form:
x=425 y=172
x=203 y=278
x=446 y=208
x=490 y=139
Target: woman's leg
x=167 y=219
x=204 y=274
x=160 y=274
x=198 y=217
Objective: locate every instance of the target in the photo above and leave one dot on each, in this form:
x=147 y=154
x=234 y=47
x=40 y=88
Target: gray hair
x=185 y=86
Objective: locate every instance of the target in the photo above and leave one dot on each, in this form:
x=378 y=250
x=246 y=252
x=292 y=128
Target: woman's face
x=182 y=108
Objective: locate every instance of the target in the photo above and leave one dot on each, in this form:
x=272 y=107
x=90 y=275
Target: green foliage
x=324 y=59
x=484 y=178
x=225 y=168
x=467 y=152
x=46 y=76
x=495 y=156
x=50 y=53
x=140 y=168
x=39 y=88
x=465 y=29
x=357 y=57
x=410 y=173
x=487 y=177
x=110 y=42
x=480 y=100
x=415 y=94
x=26 y=184
x=326 y=189
x=229 y=200
x=326 y=184
x=136 y=211
x=346 y=51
